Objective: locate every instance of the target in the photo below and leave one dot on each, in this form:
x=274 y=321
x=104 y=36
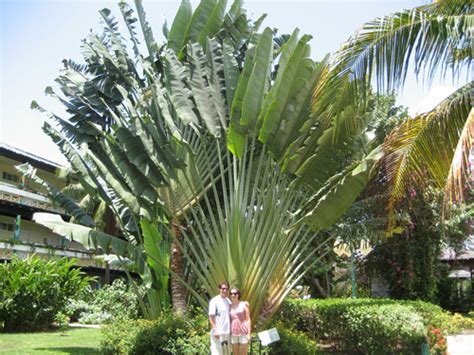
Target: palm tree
x=193 y=142
x=433 y=147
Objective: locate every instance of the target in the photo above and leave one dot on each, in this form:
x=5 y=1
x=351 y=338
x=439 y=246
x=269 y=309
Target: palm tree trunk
x=178 y=292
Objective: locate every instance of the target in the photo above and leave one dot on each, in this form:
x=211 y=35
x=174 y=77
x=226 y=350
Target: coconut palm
x=208 y=141
x=432 y=147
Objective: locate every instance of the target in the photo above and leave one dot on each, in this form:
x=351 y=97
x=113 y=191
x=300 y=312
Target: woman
x=240 y=326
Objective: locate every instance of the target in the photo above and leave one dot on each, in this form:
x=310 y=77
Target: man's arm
x=212 y=319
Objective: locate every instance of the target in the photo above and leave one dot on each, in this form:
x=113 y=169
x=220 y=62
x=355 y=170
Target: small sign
x=268 y=336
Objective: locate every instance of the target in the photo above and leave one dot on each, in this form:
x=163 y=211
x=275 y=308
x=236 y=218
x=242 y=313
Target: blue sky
x=37 y=34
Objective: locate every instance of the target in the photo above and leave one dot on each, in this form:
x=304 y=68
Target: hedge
x=171 y=334
x=367 y=325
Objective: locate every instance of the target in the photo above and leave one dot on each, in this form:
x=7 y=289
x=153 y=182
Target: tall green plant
x=195 y=139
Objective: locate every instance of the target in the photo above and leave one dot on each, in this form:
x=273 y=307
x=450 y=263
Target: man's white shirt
x=220 y=308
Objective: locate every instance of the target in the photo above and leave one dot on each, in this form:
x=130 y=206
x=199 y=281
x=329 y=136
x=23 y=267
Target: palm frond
x=422 y=149
x=429 y=35
x=458 y=183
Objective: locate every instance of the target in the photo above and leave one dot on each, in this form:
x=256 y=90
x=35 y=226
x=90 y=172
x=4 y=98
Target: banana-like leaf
x=157 y=254
x=146 y=29
x=337 y=195
x=213 y=23
x=200 y=90
x=177 y=32
x=258 y=81
x=57 y=196
x=96 y=240
x=88 y=237
x=199 y=19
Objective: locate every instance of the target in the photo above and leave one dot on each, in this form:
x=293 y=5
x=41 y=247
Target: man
x=219 y=316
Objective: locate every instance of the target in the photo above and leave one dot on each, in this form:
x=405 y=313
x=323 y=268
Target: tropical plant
x=433 y=147
x=208 y=141
x=33 y=291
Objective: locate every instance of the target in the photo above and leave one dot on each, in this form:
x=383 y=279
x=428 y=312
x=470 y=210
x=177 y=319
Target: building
x=20 y=198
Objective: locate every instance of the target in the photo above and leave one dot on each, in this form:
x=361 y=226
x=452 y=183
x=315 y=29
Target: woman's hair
x=235 y=290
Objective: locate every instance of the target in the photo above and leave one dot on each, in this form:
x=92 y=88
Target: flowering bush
x=437 y=341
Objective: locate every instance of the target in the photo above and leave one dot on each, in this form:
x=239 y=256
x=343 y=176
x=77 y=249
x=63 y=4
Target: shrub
x=33 y=291
x=292 y=342
x=368 y=325
x=103 y=306
x=170 y=334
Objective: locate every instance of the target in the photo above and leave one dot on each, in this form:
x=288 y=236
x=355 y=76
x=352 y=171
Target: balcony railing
x=23 y=250
x=28 y=198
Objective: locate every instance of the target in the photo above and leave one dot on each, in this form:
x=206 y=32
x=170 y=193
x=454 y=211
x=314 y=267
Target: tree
x=209 y=141
x=432 y=147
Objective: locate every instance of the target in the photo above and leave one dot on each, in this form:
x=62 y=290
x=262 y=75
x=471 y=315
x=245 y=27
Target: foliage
x=437 y=341
x=369 y=324
x=33 y=291
x=385 y=116
x=208 y=141
x=409 y=262
x=432 y=147
x=169 y=334
x=363 y=221
x=108 y=304
x=292 y=342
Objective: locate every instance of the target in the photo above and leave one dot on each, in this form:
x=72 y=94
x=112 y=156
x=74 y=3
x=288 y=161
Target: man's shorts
x=239 y=339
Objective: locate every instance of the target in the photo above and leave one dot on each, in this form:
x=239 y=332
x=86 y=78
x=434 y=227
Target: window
x=10 y=177
x=7 y=226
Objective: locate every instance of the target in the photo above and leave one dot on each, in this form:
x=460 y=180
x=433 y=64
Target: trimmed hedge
x=169 y=334
x=292 y=342
x=367 y=325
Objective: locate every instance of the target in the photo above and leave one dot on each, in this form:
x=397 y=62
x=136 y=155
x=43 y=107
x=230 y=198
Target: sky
x=36 y=35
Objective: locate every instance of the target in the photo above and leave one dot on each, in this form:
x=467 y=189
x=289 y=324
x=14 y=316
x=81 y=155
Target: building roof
x=26 y=157
x=450 y=254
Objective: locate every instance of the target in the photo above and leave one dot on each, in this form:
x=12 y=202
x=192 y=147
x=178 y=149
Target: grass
x=71 y=341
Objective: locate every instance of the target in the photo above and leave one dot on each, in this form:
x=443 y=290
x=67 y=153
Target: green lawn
x=72 y=341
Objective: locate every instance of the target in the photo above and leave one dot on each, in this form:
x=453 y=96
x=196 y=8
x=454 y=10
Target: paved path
x=79 y=325
x=462 y=344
